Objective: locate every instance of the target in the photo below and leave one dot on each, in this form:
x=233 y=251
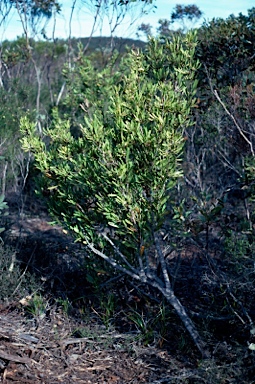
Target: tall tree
x=184 y=13
x=184 y=16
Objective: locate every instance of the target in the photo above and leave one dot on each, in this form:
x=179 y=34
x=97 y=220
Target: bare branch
x=240 y=130
x=112 y=262
x=234 y=120
x=70 y=20
x=163 y=265
x=96 y=16
x=116 y=249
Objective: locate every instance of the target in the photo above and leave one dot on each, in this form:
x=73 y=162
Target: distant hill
x=104 y=43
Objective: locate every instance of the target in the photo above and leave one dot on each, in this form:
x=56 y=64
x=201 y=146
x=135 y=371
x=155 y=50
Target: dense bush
x=110 y=186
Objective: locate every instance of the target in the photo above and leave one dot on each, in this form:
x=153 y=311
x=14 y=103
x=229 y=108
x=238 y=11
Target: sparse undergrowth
x=15 y=282
x=79 y=344
x=122 y=324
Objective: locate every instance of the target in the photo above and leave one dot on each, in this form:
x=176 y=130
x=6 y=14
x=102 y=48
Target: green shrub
x=111 y=185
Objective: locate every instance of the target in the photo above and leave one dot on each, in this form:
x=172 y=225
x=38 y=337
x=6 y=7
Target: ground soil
x=44 y=351
x=73 y=344
x=46 y=347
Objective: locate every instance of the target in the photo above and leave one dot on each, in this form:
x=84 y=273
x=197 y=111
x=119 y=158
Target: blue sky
x=83 y=18
x=210 y=8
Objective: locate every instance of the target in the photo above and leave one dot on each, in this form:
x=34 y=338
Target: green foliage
x=65 y=305
x=223 y=139
x=3 y=204
x=115 y=178
x=182 y=12
x=164 y=29
x=87 y=88
x=3 y=212
x=36 y=8
x=37 y=306
x=144 y=326
x=15 y=102
x=14 y=52
x=108 y=308
x=226 y=47
x=238 y=246
x=185 y=15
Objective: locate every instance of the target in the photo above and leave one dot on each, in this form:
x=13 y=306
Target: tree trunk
x=189 y=325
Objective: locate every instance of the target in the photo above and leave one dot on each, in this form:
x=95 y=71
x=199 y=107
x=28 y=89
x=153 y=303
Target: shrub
x=111 y=185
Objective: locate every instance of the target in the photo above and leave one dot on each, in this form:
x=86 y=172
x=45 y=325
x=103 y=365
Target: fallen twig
x=14 y=358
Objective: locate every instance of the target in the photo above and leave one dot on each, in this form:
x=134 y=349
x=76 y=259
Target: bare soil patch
x=44 y=351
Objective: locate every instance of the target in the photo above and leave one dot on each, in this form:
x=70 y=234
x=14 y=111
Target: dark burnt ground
x=116 y=332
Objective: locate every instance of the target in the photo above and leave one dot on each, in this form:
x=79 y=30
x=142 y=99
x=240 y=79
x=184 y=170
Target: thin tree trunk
x=163 y=286
x=189 y=325
x=167 y=290
x=181 y=312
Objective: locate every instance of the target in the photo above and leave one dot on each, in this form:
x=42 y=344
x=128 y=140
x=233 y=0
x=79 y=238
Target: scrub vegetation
x=127 y=201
